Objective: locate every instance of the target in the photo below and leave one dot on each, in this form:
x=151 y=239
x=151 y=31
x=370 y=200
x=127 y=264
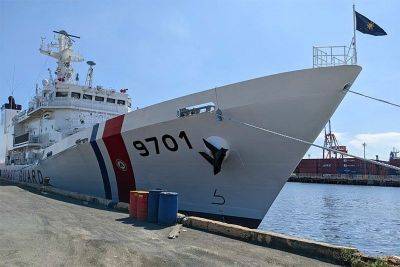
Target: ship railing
x=34 y=139
x=327 y=56
x=85 y=104
x=23 y=138
x=26 y=138
x=20 y=116
x=20 y=159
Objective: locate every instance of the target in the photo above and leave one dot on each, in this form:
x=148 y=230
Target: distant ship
x=86 y=139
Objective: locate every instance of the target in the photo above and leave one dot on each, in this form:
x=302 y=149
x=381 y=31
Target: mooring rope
x=310 y=143
x=374 y=98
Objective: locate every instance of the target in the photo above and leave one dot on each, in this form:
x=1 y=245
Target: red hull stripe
x=119 y=157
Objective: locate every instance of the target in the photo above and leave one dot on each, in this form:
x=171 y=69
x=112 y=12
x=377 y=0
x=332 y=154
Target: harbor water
x=365 y=217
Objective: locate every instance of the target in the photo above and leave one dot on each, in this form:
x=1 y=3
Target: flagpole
x=354 y=35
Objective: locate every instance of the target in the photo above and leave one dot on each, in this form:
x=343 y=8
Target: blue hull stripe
x=100 y=160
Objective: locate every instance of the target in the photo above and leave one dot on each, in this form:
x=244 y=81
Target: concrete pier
x=347 y=179
x=51 y=230
x=43 y=228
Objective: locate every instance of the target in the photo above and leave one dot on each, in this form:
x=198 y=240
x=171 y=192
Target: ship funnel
x=11 y=104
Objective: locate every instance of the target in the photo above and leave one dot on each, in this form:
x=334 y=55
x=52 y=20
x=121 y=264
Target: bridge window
x=75 y=95
x=110 y=100
x=99 y=98
x=61 y=94
x=121 y=102
x=88 y=97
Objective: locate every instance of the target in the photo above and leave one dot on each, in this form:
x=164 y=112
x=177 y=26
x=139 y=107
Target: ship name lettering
x=39 y=176
x=34 y=177
x=168 y=141
x=28 y=176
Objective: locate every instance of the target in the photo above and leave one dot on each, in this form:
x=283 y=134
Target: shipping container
x=345 y=166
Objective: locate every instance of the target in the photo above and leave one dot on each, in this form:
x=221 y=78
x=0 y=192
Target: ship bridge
x=60 y=107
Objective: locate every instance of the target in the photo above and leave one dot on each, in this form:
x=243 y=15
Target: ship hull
x=153 y=148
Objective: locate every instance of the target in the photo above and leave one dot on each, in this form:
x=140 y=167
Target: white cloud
x=376 y=139
x=376 y=143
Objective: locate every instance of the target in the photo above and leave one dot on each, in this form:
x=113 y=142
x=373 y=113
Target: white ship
x=86 y=138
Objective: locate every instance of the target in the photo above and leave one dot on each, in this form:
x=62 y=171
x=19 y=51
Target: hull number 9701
x=168 y=141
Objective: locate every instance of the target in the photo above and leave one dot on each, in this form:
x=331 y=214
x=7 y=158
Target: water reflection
x=365 y=217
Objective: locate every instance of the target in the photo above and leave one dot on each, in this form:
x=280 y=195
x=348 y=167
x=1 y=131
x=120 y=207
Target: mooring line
x=374 y=98
x=312 y=144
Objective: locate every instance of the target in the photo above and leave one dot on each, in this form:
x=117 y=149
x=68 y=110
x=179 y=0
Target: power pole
x=365 y=163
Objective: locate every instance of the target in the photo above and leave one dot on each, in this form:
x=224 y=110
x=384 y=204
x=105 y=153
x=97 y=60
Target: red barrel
x=141 y=207
x=133 y=204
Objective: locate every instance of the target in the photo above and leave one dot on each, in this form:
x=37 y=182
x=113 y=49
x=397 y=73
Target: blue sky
x=165 y=49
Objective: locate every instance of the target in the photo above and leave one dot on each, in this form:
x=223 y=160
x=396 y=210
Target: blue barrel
x=168 y=208
x=152 y=205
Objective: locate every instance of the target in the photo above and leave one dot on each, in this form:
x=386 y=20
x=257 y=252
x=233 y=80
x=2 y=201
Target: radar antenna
x=66 y=34
x=89 y=76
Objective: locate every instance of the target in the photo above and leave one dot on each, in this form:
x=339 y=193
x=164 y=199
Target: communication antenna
x=12 y=84
x=89 y=76
x=50 y=76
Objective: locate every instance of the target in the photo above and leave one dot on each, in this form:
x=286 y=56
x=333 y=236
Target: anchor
x=218 y=156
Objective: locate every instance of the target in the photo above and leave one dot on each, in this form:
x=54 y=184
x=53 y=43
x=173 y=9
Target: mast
x=354 y=35
x=63 y=52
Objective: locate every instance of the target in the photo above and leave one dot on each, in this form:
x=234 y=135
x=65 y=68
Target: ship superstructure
x=85 y=139
x=60 y=107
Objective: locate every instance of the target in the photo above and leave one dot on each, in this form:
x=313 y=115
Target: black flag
x=367 y=26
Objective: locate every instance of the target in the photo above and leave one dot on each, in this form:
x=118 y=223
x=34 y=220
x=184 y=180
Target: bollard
x=46 y=181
